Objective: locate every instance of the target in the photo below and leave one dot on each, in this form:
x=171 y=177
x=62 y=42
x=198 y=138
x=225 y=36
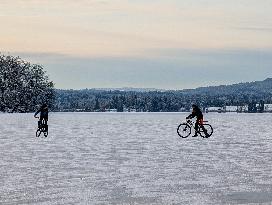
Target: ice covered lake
x=135 y=158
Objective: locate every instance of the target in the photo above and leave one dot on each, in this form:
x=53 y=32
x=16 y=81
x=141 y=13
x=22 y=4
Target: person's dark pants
x=199 y=122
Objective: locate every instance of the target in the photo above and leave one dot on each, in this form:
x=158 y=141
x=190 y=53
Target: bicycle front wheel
x=38 y=132
x=184 y=130
x=205 y=130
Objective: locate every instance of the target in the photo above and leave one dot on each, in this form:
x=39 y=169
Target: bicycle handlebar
x=188 y=120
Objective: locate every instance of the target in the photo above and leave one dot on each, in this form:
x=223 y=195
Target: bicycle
x=184 y=129
x=42 y=128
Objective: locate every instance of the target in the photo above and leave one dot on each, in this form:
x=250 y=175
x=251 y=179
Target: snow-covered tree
x=23 y=86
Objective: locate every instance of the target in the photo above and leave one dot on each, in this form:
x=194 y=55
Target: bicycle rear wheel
x=205 y=130
x=184 y=130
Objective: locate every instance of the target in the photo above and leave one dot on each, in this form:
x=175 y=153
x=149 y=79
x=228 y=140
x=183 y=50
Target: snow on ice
x=135 y=158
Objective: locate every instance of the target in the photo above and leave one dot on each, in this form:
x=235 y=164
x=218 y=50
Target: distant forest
x=92 y=100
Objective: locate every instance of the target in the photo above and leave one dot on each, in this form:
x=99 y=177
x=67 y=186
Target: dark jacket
x=43 y=113
x=196 y=113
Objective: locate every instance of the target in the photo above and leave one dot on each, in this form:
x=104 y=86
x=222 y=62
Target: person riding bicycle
x=43 y=114
x=196 y=112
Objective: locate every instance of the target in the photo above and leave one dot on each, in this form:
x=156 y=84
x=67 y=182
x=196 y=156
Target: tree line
x=91 y=100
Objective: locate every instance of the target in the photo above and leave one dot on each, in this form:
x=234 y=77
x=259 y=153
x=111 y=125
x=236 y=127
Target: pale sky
x=170 y=44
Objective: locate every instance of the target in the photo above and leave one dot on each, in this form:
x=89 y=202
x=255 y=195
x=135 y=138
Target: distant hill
x=261 y=87
x=251 y=88
x=130 y=89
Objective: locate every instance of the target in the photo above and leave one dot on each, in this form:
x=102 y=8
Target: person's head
x=44 y=106
x=194 y=106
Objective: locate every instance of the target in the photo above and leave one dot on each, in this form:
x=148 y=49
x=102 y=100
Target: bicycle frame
x=190 y=124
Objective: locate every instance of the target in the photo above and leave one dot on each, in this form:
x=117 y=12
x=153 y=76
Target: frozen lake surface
x=135 y=158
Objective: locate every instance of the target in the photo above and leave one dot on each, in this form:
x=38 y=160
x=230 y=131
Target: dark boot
x=195 y=135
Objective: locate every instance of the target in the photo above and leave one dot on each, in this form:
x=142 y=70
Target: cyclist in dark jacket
x=196 y=112
x=43 y=114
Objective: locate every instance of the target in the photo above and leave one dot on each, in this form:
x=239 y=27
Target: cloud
x=128 y=28
x=261 y=29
